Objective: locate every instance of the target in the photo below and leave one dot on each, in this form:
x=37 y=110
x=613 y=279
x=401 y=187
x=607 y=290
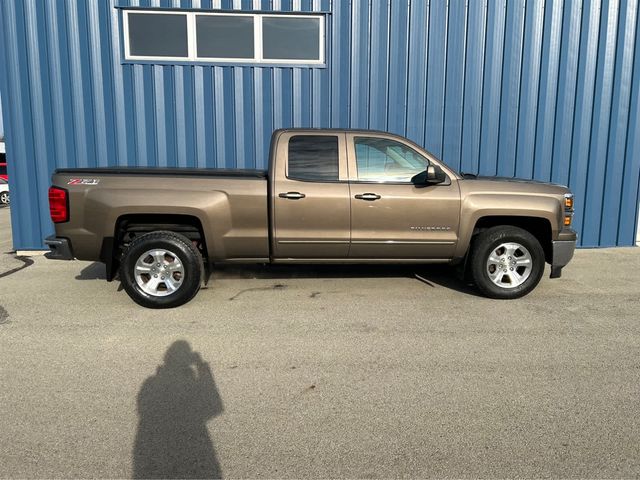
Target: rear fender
x=105 y=206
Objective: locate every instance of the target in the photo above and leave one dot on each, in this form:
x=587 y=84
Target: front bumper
x=562 y=251
x=60 y=248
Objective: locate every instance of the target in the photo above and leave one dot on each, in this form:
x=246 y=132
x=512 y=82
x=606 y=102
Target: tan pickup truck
x=330 y=196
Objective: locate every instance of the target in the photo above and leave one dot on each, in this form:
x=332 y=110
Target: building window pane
x=224 y=36
x=289 y=38
x=313 y=157
x=383 y=160
x=158 y=35
x=164 y=36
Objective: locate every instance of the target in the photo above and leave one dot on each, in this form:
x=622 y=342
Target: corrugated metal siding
x=538 y=89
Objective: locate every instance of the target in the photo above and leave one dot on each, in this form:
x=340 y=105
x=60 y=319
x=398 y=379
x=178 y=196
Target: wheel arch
x=539 y=227
x=129 y=226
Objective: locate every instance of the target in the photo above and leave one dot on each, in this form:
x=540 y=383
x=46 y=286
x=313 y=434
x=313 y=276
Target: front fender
x=475 y=207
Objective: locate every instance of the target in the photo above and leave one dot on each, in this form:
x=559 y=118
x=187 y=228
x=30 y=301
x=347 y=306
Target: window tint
x=224 y=36
x=3 y=169
x=383 y=160
x=313 y=157
x=287 y=38
x=158 y=35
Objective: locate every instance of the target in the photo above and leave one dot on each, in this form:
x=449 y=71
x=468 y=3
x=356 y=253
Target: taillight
x=58 y=205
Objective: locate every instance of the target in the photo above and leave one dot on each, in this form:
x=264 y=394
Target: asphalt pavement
x=320 y=372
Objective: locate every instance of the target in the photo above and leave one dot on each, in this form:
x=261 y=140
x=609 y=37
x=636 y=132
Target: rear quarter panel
x=232 y=211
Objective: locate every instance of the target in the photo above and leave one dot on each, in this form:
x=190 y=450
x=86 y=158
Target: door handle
x=292 y=195
x=368 y=196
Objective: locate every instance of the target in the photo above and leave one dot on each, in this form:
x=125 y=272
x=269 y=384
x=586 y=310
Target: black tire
x=176 y=245
x=483 y=246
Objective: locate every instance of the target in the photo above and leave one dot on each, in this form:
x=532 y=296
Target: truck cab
x=354 y=196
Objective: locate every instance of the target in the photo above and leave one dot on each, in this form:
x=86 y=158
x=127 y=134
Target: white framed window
x=212 y=37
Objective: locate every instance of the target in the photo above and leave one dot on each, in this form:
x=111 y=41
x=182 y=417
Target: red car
x=3 y=167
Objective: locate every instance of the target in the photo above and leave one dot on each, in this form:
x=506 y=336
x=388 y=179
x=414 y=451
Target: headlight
x=568 y=201
x=568 y=209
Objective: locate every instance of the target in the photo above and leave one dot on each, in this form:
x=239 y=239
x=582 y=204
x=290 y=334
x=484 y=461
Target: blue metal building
x=544 y=89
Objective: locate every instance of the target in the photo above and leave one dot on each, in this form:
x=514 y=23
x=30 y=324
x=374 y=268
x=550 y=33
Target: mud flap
x=556 y=272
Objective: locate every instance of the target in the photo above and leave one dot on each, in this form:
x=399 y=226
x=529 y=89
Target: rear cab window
x=313 y=158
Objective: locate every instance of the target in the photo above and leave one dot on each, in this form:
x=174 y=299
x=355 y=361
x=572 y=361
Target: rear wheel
x=506 y=262
x=161 y=270
x=4 y=198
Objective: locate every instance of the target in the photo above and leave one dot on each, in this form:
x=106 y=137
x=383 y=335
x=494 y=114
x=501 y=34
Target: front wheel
x=4 y=198
x=161 y=270
x=506 y=262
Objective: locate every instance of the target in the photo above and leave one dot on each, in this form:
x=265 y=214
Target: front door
x=391 y=218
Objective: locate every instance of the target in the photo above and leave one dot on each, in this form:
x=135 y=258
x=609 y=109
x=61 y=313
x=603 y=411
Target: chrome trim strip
x=310 y=242
x=366 y=242
x=355 y=260
x=402 y=242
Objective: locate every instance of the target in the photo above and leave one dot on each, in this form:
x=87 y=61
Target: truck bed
x=230 y=205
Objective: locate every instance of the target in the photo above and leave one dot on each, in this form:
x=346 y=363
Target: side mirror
x=433 y=175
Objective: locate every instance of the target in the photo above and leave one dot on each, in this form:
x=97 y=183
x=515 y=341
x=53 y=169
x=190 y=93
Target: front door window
x=384 y=160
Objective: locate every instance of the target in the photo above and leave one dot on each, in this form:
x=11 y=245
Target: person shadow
x=174 y=406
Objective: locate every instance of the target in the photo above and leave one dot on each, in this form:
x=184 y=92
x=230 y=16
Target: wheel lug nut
x=162 y=278
x=512 y=269
x=158 y=265
x=155 y=276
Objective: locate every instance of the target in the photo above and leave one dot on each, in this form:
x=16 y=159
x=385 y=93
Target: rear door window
x=313 y=158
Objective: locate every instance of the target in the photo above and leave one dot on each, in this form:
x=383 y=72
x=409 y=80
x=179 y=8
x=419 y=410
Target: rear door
x=391 y=218
x=310 y=196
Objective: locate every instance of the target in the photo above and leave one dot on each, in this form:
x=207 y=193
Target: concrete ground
x=328 y=372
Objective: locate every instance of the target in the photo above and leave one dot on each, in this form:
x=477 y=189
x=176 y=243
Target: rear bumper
x=563 y=250
x=60 y=248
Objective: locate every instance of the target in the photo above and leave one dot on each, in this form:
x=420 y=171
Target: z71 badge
x=83 y=181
